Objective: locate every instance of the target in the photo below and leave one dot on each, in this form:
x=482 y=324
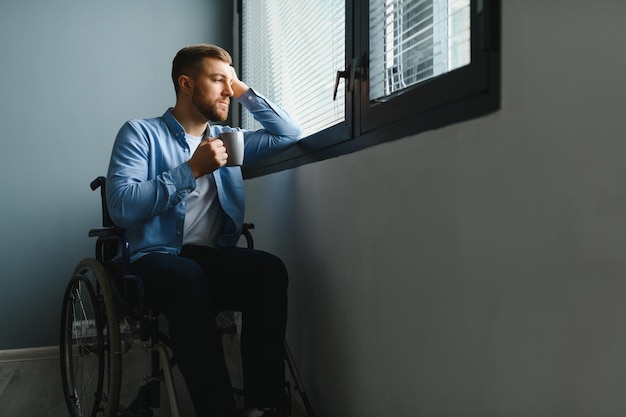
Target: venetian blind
x=414 y=40
x=291 y=52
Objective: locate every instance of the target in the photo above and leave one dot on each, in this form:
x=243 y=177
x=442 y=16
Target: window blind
x=414 y=40
x=291 y=51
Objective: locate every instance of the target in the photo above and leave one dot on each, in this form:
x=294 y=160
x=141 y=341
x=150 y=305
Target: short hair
x=189 y=60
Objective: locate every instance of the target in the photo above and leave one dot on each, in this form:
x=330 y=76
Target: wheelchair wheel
x=90 y=346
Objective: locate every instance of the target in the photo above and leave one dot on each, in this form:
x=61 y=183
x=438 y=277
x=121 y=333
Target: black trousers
x=191 y=289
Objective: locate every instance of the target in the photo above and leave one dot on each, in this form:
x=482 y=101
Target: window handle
x=348 y=75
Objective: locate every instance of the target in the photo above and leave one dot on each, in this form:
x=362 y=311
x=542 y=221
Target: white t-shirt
x=204 y=218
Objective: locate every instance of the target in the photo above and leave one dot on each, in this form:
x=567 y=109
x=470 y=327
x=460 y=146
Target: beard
x=212 y=112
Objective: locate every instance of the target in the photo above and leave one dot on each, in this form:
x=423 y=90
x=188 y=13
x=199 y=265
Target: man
x=183 y=210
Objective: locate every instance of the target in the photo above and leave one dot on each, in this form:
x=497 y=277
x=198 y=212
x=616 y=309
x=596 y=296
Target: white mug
x=233 y=142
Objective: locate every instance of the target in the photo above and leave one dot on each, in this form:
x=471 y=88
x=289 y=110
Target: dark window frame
x=466 y=93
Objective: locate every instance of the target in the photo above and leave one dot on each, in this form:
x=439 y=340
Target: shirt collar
x=172 y=124
x=176 y=128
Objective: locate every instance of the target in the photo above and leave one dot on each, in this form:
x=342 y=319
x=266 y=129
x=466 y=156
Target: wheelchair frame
x=103 y=314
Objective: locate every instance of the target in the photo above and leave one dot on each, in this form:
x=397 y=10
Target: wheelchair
x=104 y=314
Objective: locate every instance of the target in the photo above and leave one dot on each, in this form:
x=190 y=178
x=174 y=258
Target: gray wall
x=479 y=269
x=71 y=72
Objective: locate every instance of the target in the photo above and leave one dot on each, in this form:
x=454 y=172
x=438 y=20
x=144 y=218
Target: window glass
x=291 y=51
x=415 y=40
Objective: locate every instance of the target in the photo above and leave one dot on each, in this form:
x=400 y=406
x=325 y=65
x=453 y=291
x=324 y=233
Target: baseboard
x=29 y=354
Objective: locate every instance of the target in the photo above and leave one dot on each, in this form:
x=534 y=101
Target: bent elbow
x=119 y=211
x=116 y=213
x=297 y=133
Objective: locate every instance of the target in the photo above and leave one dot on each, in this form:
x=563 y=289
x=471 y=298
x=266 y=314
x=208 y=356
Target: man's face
x=212 y=90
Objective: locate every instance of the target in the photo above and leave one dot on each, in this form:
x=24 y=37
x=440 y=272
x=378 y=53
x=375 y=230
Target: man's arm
x=279 y=131
x=134 y=192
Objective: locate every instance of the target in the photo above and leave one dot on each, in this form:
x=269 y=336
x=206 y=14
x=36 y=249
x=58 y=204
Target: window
x=356 y=73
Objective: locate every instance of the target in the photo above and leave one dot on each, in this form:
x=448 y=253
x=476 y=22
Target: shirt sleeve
x=279 y=131
x=135 y=190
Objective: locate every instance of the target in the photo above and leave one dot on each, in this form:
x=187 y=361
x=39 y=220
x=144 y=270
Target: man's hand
x=238 y=86
x=209 y=156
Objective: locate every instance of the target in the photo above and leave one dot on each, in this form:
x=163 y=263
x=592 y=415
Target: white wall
x=479 y=269
x=71 y=72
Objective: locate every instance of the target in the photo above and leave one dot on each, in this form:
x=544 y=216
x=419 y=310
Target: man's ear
x=185 y=83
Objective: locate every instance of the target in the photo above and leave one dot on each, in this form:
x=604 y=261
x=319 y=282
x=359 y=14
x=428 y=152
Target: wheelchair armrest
x=106 y=232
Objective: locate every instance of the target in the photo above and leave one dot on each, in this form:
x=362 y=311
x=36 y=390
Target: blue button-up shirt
x=149 y=178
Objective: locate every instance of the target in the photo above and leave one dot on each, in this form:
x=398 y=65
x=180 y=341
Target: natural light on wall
x=414 y=40
x=291 y=51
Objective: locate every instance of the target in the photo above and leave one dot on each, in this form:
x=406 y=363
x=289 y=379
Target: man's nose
x=228 y=90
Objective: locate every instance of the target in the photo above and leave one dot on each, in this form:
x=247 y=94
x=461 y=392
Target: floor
x=31 y=387
x=30 y=384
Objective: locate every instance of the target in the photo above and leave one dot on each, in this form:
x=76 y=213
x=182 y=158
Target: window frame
x=465 y=93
